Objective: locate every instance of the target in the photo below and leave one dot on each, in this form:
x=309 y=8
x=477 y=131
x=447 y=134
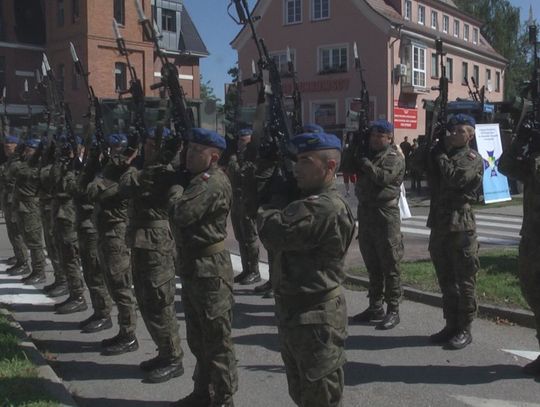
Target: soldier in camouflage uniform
x=8 y=181
x=245 y=229
x=65 y=228
x=152 y=257
x=309 y=239
x=381 y=173
x=204 y=265
x=26 y=204
x=111 y=215
x=521 y=161
x=455 y=176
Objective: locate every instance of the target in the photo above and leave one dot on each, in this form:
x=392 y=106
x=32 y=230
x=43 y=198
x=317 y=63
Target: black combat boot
x=151 y=364
x=390 y=320
x=74 y=304
x=10 y=261
x=122 y=343
x=216 y=403
x=96 y=324
x=193 y=400
x=18 y=269
x=443 y=336
x=263 y=288
x=51 y=286
x=532 y=368
x=370 y=314
x=166 y=370
x=460 y=340
x=35 y=278
x=250 y=278
x=58 y=291
x=240 y=276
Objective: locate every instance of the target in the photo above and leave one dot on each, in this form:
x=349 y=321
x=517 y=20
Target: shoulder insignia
x=471 y=156
x=205 y=176
x=312 y=198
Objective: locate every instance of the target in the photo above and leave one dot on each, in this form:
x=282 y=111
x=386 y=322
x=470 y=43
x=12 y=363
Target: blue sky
x=217 y=31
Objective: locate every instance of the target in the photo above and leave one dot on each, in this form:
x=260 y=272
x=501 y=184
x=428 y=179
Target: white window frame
x=286 y=12
x=407 y=12
x=283 y=53
x=434 y=19
x=475 y=35
x=497 y=81
x=449 y=65
x=312 y=103
x=466 y=32
x=417 y=69
x=313 y=18
x=423 y=14
x=434 y=65
x=456 y=28
x=331 y=47
x=372 y=99
x=476 y=77
x=488 y=77
x=464 y=72
x=445 y=27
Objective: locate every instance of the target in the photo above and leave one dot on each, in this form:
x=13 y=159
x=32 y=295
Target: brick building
x=30 y=27
x=396 y=44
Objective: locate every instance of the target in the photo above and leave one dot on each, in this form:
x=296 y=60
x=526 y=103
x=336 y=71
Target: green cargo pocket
x=216 y=296
x=161 y=294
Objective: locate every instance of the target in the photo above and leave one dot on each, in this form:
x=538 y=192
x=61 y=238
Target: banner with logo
x=488 y=141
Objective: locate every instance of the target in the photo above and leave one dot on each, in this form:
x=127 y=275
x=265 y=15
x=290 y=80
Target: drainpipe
x=396 y=27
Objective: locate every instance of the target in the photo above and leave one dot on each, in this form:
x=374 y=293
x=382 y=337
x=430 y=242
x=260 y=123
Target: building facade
x=396 y=46
x=88 y=25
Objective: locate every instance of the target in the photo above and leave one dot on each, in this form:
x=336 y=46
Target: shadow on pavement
x=268 y=341
x=19 y=290
x=33 y=308
x=105 y=402
x=85 y=370
x=47 y=325
x=246 y=315
x=68 y=346
x=264 y=368
x=372 y=342
x=362 y=373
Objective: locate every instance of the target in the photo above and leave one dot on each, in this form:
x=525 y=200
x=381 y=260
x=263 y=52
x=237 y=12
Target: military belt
x=308 y=300
x=149 y=224
x=208 y=250
x=376 y=204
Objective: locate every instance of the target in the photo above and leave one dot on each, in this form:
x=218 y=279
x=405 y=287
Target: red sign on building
x=405 y=118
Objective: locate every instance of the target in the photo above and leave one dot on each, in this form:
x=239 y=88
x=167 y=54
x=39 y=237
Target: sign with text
x=405 y=118
x=488 y=140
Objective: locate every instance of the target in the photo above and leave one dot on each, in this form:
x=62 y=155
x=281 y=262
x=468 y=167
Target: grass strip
x=20 y=385
x=497 y=281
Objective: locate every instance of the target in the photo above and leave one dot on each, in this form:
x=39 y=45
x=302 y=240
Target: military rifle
x=472 y=94
x=4 y=121
x=437 y=128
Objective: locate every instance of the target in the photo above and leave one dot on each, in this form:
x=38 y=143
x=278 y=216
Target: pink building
x=396 y=45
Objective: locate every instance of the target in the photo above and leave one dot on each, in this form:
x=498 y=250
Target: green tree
x=207 y=91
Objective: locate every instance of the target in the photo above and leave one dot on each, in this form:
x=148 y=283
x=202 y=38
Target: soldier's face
x=29 y=152
x=9 y=149
x=243 y=142
x=312 y=171
x=459 y=136
x=199 y=157
x=379 y=141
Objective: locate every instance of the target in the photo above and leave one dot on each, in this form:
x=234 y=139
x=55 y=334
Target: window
x=466 y=32
x=280 y=58
x=419 y=66
x=476 y=74
x=488 y=80
x=333 y=60
x=421 y=14
x=434 y=20
x=60 y=13
x=408 y=9
x=293 y=11
x=75 y=11
x=119 y=11
x=434 y=66
x=450 y=69
x=61 y=75
x=324 y=113
x=74 y=78
x=456 y=28
x=168 y=20
x=475 y=35
x=321 y=9
x=120 y=78
x=497 y=81
x=2 y=73
x=445 y=24
x=464 y=73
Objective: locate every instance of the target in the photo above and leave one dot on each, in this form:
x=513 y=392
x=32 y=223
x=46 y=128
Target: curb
x=516 y=316
x=53 y=385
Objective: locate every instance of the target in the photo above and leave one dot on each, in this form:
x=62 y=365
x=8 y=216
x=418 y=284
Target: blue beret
x=11 y=140
x=312 y=128
x=460 y=118
x=116 y=140
x=79 y=140
x=208 y=138
x=381 y=125
x=165 y=134
x=245 y=132
x=32 y=143
x=316 y=141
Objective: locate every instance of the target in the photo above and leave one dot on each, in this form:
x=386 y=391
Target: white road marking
x=525 y=354
x=24 y=298
x=481 y=239
x=481 y=402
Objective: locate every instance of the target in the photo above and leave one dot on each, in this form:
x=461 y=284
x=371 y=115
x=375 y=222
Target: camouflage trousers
x=313 y=352
x=32 y=233
x=50 y=244
x=245 y=232
x=65 y=233
x=114 y=257
x=93 y=272
x=208 y=309
x=381 y=246
x=155 y=287
x=455 y=257
x=529 y=275
x=14 y=233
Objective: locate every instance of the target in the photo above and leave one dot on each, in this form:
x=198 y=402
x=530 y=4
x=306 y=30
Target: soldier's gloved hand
x=528 y=130
x=437 y=149
x=362 y=162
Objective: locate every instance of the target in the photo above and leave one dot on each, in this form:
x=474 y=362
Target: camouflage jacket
x=527 y=170
x=8 y=177
x=46 y=181
x=26 y=189
x=309 y=240
x=63 y=205
x=200 y=215
x=454 y=183
x=242 y=177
